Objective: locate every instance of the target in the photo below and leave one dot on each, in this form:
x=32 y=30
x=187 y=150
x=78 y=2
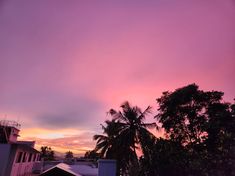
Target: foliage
x=92 y=155
x=167 y=158
x=123 y=134
x=203 y=126
x=199 y=136
x=69 y=155
x=47 y=153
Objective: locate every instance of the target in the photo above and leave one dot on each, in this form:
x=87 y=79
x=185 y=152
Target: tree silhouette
x=47 y=153
x=199 y=136
x=203 y=125
x=111 y=145
x=123 y=134
x=92 y=155
x=69 y=155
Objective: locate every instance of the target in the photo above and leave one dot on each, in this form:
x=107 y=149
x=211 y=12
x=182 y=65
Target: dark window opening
x=24 y=157
x=19 y=157
x=30 y=157
x=39 y=158
x=34 y=157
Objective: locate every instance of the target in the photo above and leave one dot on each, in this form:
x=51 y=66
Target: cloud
x=64 y=68
x=78 y=144
x=53 y=109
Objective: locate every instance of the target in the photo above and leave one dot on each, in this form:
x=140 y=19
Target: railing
x=10 y=123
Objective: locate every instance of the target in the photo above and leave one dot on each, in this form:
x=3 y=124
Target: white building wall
x=23 y=167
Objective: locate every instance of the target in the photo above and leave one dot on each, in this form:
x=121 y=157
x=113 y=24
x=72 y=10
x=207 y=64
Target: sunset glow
x=63 y=65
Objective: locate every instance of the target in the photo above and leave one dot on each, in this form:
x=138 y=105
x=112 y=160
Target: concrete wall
x=106 y=167
x=24 y=167
x=4 y=158
x=13 y=135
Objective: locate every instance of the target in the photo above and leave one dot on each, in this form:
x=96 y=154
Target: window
x=35 y=155
x=30 y=157
x=24 y=157
x=19 y=157
x=39 y=158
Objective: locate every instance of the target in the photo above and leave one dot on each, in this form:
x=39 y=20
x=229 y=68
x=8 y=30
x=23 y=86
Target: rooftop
x=75 y=170
x=10 y=123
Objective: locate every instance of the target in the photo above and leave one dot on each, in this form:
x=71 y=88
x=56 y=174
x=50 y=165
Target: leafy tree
x=183 y=113
x=199 y=136
x=203 y=125
x=92 y=155
x=69 y=155
x=221 y=139
x=166 y=158
x=47 y=153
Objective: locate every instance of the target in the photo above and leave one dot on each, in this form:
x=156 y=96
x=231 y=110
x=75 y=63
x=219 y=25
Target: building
x=18 y=158
x=105 y=168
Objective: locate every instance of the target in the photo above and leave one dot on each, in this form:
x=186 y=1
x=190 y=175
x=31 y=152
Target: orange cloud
x=77 y=141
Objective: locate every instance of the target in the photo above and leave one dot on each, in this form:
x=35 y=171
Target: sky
x=64 y=64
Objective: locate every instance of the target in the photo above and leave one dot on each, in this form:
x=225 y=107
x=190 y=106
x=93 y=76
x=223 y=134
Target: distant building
x=17 y=158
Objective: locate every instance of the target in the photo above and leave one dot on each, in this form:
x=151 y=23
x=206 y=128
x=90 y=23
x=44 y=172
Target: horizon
x=64 y=65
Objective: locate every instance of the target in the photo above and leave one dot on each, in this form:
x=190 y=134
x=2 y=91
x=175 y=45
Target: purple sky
x=64 y=64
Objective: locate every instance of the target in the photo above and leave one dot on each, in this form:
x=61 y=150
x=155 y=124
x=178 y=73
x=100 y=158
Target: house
x=105 y=168
x=17 y=157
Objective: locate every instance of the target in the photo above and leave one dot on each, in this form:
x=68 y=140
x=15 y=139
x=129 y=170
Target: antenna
x=5 y=117
x=18 y=118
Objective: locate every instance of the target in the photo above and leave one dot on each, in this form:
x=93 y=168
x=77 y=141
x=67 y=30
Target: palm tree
x=124 y=133
x=111 y=146
x=106 y=142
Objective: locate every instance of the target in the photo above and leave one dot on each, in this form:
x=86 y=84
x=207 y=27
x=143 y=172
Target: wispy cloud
x=77 y=141
x=64 y=68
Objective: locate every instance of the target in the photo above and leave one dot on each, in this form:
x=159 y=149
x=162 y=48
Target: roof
x=62 y=169
x=85 y=170
x=25 y=147
x=29 y=143
x=72 y=170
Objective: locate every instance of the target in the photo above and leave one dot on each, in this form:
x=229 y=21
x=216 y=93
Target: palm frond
x=112 y=112
x=125 y=105
x=101 y=145
x=143 y=114
x=125 y=133
x=102 y=126
x=97 y=136
x=150 y=125
x=119 y=116
x=100 y=138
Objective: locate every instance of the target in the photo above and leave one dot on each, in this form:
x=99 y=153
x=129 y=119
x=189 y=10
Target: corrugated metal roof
x=76 y=170
x=26 y=147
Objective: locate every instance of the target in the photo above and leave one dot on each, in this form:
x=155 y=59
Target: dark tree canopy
x=199 y=136
x=92 y=155
x=184 y=113
x=47 y=153
x=203 y=124
x=123 y=134
x=69 y=155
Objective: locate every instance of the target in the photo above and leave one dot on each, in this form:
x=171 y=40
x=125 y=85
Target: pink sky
x=63 y=65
